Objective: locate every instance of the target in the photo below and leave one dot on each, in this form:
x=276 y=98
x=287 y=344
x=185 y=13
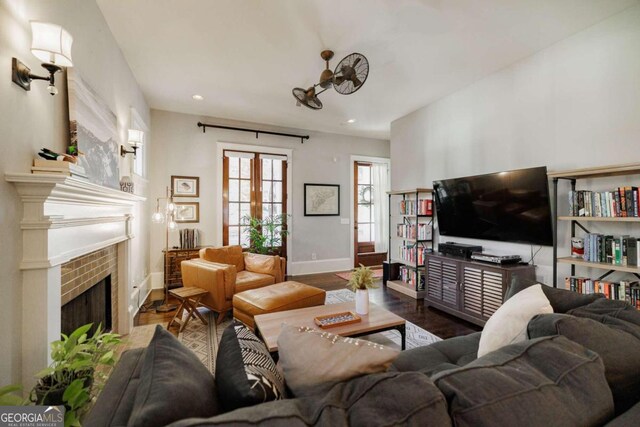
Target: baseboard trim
x=145 y=288
x=320 y=266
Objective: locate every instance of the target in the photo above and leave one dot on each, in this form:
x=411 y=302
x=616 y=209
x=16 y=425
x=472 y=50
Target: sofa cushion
x=386 y=399
x=174 y=384
x=115 y=404
x=315 y=360
x=265 y=264
x=508 y=324
x=539 y=382
x=225 y=255
x=561 y=300
x=628 y=419
x=440 y=356
x=245 y=372
x=618 y=348
x=246 y=280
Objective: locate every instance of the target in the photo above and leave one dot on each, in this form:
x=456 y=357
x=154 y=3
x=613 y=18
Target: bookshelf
x=410 y=237
x=599 y=209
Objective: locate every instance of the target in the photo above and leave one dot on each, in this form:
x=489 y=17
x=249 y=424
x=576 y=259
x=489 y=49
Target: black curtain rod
x=204 y=127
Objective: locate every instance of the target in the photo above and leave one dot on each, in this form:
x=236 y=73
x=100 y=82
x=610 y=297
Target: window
x=138 y=161
x=364 y=197
x=254 y=185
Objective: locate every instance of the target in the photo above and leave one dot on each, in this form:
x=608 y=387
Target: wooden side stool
x=189 y=300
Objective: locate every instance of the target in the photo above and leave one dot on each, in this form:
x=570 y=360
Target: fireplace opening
x=91 y=306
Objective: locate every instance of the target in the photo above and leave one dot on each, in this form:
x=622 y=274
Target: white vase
x=362 y=301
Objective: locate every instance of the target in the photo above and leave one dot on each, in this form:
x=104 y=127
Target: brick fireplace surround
x=66 y=221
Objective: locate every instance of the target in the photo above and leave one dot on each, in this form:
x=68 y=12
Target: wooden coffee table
x=378 y=320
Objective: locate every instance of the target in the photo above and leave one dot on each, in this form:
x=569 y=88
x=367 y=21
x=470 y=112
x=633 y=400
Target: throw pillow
x=174 y=384
x=508 y=325
x=245 y=372
x=313 y=361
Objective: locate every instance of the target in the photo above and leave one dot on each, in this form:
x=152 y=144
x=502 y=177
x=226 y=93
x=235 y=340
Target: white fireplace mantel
x=63 y=218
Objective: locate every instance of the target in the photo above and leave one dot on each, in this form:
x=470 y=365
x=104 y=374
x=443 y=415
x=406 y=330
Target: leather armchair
x=225 y=271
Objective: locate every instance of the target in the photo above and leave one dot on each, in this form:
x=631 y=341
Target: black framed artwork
x=321 y=200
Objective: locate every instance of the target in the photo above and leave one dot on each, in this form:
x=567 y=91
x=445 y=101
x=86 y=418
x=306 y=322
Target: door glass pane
x=277 y=191
x=245 y=168
x=364 y=175
x=234 y=167
x=373 y=234
x=245 y=191
x=266 y=191
x=244 y=237
x=364 y=213
x=266 y=210
x=245 y=210
x=234 y=235
x=364 y=232
x=266 y=168
x=365 y=194
x=234 y=213
x=234 y=190
x=277 y=170
x=277 y=209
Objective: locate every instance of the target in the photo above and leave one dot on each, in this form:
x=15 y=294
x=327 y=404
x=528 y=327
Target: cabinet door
x=481 y=291
x=434 y=279
x=450 y=283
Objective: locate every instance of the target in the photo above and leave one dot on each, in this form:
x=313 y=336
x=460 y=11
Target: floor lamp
x=169 y=219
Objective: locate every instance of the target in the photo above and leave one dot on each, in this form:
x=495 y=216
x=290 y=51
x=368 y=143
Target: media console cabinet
x=470 y=290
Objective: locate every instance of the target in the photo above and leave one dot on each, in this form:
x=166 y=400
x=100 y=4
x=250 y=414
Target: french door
x=254 y=186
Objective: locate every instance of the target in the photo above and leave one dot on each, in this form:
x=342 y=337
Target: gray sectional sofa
x=579 y=367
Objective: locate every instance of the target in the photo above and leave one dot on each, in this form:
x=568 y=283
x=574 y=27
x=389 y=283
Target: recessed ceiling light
x=351 y=121
x=198 y=97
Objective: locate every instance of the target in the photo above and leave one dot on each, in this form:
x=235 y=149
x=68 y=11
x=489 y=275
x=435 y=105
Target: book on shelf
x=189 y=238
x=416 y=207
x=624 y=290
x=414 y=231
x=615 y=250
x=412 y=253
x=414 y=279
x=619 y=203
x=58 y=165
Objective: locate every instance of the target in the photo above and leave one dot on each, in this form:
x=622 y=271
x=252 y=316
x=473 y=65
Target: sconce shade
x=136 y=137
x=51 y=43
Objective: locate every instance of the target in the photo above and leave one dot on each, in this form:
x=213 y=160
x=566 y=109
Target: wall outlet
x=314 y=256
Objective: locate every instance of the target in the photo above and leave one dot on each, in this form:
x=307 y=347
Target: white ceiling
x=245 y=56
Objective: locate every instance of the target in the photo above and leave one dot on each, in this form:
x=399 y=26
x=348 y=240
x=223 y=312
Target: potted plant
x=76 y=362
x=361 y=281
x=266 y=235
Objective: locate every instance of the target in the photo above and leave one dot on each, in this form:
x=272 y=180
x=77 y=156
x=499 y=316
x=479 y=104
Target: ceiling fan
x=348 y=77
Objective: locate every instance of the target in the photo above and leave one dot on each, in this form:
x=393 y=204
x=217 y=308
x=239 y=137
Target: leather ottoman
x=270 y=299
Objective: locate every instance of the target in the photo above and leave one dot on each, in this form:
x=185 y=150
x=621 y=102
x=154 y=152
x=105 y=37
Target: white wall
x=31 y=120
x=574 y=104
x=180 y=148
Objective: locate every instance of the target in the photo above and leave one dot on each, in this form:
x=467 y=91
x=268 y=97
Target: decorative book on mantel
x=58 y=167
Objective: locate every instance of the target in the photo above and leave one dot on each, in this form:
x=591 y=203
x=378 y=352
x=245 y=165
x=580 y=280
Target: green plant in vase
x=362 y=279
x=77 y=361
x=266 y=235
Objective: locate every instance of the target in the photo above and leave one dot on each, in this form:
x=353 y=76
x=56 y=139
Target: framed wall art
x=187 y=212
x=185 y=186
x=321 y=200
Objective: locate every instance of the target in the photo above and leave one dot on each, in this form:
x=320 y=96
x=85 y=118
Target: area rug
x=377 y=273
x=203 y=339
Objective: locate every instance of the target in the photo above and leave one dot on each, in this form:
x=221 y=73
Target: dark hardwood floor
x=433 y=320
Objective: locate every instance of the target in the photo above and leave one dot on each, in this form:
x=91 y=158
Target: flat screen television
x=509 y=206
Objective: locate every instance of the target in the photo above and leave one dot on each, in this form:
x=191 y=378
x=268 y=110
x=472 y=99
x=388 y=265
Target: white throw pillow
x=508 y=324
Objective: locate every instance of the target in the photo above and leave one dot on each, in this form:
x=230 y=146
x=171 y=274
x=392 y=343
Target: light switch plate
x=344 y=221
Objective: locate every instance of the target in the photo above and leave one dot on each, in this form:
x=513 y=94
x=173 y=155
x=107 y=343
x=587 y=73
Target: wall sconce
x=135 y=139
x=51 y=44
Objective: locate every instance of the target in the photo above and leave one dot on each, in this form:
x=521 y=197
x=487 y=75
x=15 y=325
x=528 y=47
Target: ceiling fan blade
x=355 y=81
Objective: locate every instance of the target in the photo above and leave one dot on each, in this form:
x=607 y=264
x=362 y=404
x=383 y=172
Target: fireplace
x=91 y=306
x=68 y=221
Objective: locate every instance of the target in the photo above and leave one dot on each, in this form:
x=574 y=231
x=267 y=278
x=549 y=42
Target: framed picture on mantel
x=321 y=200
x=185 y=186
